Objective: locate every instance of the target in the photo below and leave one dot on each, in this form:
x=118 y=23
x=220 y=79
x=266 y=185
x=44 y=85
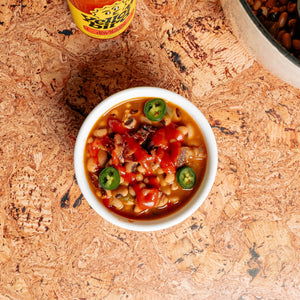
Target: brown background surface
x=243 y=243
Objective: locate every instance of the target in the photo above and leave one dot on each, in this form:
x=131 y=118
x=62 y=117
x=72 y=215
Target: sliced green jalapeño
x=155 y=109
x=109 y=178
x=186 y=178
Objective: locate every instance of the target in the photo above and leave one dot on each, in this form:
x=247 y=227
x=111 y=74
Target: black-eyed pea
x=131 y=191
x=159 y=171
x=141 y=169
x=118 y=140
x=102 y=158
x=100 y=132
x=176 y=115
x=115 y=113
x=163 y=201
x=167 y=120
x=126 y=114
x=137 y=209
x=163 y=182
x=174 y=199
x=123 y=182
x=130 y=123
x=160 y=178
x=91 y=165
x=121 y=191
x=166 y=190
x=174 y=186
x=170 y=178
x=139 y=177
x=102 y=123
x=130 y=166
x=183 y=130
x=90 y=140
x=108 y=193
x=117 y=203
x=129 y=202
x=134 y=111
x=144 y=119
x=191 y=131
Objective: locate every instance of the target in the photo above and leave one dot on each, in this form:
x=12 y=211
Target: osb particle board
x=243 y=243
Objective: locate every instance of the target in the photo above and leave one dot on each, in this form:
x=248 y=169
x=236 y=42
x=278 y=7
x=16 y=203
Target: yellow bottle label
x=106 y=22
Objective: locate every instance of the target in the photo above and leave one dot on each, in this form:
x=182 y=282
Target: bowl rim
x=207 y=182
x=268 y=35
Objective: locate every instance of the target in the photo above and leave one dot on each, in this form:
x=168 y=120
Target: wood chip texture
x=243 y=243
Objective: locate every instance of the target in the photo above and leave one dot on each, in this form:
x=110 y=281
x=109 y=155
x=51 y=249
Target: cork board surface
x=243 y=243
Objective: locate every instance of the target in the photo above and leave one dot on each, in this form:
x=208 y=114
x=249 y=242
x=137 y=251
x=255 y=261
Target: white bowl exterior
x=191 y=206
x=254 y=40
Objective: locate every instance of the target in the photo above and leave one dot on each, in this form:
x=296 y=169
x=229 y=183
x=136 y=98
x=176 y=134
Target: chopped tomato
x=116 y=125
x=160 y=139
x=146 y=197
x=159 y=155
x=93 y=148
x=115 y=159
x=128 y=177
x=168 y=158
x=175 y=149
x=175 y=134
x=141 y=155
x=153 y=181
x=105 y=201
x=165 y=135
x=167 y=165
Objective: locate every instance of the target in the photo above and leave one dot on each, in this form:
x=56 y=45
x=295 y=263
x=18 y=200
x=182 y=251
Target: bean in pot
x=296 y=44
x=257 y=5
x=287 y=40
x=280 y=20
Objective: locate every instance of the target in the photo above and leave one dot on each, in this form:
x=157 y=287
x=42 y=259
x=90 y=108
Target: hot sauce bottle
x=103 y=19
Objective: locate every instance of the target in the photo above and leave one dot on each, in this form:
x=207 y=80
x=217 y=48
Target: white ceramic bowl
x=200 y=195
x=260 y=43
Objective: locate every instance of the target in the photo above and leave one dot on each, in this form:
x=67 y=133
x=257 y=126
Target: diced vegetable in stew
x=155 y=109
x=186 y=177
x=109 y=178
